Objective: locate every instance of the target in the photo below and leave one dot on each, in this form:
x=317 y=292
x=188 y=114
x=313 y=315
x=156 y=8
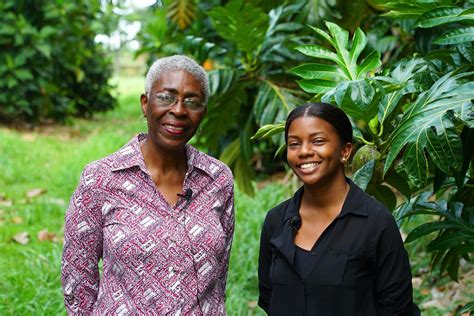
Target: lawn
x=39 y=171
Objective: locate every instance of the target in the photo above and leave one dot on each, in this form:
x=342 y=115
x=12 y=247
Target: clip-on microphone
x=187 y=194
x=295 y=223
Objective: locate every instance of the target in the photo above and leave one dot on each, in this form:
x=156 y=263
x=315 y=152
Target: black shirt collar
x=353 y=204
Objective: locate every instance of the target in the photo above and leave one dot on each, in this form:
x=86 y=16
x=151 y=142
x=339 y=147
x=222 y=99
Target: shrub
x=50 y=66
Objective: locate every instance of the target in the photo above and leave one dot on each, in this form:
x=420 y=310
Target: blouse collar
x=130 y=156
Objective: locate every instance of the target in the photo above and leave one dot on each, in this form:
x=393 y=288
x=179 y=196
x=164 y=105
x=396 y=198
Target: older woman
x=331 y=249
x=158 y=212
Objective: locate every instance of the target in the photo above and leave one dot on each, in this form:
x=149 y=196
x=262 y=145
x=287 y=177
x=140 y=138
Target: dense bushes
x=50 y=66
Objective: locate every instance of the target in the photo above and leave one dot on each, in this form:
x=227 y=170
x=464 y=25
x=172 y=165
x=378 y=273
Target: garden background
x=71 y=74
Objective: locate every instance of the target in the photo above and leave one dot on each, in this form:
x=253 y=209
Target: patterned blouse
x=158 y=259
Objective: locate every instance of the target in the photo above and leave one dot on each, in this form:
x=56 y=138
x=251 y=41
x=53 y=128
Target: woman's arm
x=264 y=263
x=393 y=287
x=82 y=248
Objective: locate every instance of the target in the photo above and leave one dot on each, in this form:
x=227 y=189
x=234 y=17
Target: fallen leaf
x=35 y=192
x=433 y=303
x=2 y=212
x=17 y=220
x=425 y=291
x=252 y=304
x=28 y=137
x=416 y=282
x=22 y=238
x=45 y=235
x=74 y=133
x=6 y=203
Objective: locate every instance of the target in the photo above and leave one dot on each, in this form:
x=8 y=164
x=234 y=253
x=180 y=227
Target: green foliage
x=415 y=121
x=348 y=78
x=247 y=47
x=50 y=66
x=236 y=21
x=428 y=124
x=344 y=57
x=455 y=238
x=247 y=78
x=468 y=307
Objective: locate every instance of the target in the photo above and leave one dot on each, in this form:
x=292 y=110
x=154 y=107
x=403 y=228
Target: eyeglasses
x=165 y=99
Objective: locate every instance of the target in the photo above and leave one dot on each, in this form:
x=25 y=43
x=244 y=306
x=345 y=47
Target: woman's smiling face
x=314 y=152
x=171 y=127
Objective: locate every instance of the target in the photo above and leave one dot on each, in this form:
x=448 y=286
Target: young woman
x=331 y=249
x=158 y=212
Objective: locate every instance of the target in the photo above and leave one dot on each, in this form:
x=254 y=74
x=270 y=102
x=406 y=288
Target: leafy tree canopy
x=50 y=65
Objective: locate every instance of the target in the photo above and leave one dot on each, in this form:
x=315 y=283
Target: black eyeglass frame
x=173 y=99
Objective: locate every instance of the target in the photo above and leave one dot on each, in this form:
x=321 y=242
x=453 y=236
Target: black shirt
x=360 y=266
x=304 y=260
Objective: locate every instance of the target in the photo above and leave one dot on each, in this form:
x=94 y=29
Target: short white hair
x=177 y=62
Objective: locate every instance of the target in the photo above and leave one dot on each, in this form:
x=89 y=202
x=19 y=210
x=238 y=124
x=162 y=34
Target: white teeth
x=175 y=128
x=309 y=165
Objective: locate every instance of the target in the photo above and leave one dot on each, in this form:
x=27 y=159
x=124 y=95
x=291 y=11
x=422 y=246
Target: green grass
x=52 y=158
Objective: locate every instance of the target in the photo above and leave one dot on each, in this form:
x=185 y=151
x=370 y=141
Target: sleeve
x=393 y=287
x=264 y=263
x=82 y=248
x=228 y=224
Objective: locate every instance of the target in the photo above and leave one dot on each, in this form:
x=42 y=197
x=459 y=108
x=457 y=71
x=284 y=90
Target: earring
x=344 y=159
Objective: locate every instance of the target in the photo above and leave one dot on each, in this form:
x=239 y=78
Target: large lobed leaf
x=224 y=107
x=241 y=23
x=363 y=176
x=283 y=28
x=346 y=55
x=273 y=103
x=319 y=71
x=243 y=171
x=359 y=98
x=402 y=77
x=424 y=126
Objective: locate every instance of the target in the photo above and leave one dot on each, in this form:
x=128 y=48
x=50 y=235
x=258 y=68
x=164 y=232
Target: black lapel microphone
x=187 y=194
x=295 y=223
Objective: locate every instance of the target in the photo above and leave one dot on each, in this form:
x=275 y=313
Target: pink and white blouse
x=158 y=259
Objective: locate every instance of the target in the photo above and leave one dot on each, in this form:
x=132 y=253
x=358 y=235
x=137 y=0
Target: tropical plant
x=247 y=47
x=50 y=65
x=253 y=87
x=413 y=122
